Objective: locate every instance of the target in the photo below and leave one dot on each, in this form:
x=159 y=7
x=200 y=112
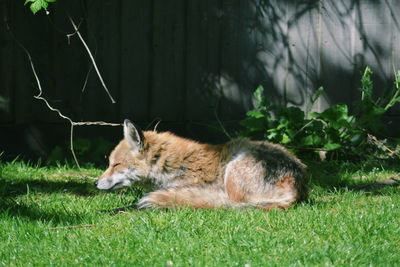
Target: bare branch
x=92 y=58
x=100 y=123
x=157 y=120
x=378 y=143
x=40 y=97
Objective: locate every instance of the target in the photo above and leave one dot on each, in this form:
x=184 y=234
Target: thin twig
x=91 y=57
x=158 y=120
x=69 y=35
x=379 y=143
x=72 y=227
x=87 y=78
x=99 y=123
x=40 y=97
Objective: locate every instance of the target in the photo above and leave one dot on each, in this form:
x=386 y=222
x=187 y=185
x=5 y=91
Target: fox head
x=127 y=162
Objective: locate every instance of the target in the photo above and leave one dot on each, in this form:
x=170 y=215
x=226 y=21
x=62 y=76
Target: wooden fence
x=187 y=60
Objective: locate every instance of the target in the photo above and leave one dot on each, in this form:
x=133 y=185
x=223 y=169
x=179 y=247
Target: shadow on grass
x=34 y=212
x=327 y=175
x=370 y=177
x=12 y=189
x=10 y=206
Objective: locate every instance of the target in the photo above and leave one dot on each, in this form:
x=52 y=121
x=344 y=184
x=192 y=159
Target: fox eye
x=115 y=165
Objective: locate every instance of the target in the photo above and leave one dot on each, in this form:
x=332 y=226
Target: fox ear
x=133 y=135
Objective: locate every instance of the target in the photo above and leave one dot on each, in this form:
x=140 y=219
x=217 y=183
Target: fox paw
x=146 y=203
x=158 y=199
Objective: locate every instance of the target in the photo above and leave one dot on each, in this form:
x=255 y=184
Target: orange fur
x=239 y=173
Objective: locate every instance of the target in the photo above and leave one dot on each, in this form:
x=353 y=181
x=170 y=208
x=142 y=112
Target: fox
x=184 y=173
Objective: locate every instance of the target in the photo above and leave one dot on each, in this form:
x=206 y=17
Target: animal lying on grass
x=239 y=173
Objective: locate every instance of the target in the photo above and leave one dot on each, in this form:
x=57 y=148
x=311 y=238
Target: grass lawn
x=343 y=224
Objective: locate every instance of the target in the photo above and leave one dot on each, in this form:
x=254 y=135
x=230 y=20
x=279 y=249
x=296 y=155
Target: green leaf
x=37 y=5
x=27 y=1
x=259 y=99
x=315 y=115
x=336 y=112
x=272 y=135
x=51 y=1
x=331 y=146
x=377 y=111
x=356 y=139
x=255 y=114
x=295 y=114
x=253 y=125
x=367 y=85
x=285 y=139
x=315 y=97
x=311 y=140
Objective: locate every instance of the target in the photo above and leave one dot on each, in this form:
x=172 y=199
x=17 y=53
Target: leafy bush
x=333 y=130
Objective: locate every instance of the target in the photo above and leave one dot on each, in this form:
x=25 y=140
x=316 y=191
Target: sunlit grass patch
x=50 y=216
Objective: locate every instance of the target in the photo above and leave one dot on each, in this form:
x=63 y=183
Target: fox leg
x=205 y=197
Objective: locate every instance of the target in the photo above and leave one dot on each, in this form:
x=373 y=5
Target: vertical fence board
x=237 y=52
x=203 y=57
x=395 y=41
x=67 y=64
x=303 y=52
x=271 y=30
x=36 y=42
x=7 y=68
x=168 y=100
x=337 y=65
x=103 y=37
x=136 y=27
x=395 y=29
x=373 y=40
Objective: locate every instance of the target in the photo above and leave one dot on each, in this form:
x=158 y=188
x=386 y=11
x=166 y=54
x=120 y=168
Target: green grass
x=341 y=224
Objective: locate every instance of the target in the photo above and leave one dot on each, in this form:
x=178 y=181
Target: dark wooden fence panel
x=168 y=90
x=136 y=59
x=181 y=60
x=203 y=58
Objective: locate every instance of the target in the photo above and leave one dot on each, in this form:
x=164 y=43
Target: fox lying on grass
x=239 y=173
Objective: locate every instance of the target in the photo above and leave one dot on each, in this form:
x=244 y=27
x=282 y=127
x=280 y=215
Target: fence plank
x=66 y=60
x=373 y=43
x=7 y=70
x=337 y=56
x=203 y=58
x=104 y=36
x=167 y=95
x=303 y=58
x=136 y=65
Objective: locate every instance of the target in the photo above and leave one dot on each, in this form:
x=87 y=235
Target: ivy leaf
x=259 y=99
x=311 y=140
x=255 y=114
x=37 y=5
x=285 y=139
x=331 y=146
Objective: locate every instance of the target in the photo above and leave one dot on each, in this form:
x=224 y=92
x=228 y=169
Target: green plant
x=334 y=129
x=37 y=5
